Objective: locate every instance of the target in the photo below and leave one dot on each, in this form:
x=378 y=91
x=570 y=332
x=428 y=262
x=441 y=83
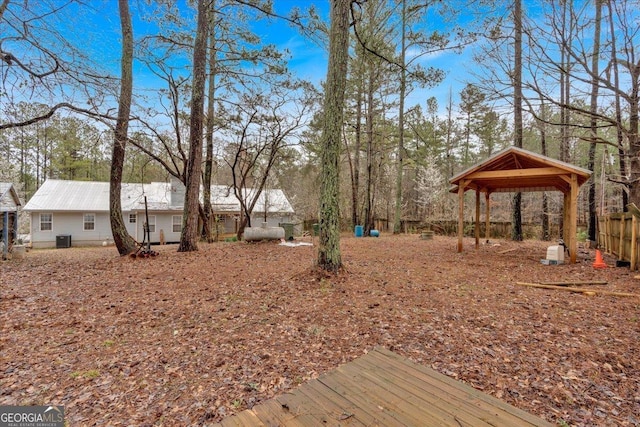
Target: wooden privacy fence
x=618 y=235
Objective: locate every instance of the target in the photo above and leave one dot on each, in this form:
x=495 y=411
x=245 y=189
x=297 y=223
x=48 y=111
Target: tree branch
x=51 y=112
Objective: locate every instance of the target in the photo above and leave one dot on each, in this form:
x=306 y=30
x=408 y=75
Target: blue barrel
x=359 y=231
x=374 y=233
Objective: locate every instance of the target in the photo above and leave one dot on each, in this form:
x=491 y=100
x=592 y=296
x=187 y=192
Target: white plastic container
x=555 y=253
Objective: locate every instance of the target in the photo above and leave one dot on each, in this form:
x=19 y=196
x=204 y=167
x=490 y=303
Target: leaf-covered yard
x=189 y=338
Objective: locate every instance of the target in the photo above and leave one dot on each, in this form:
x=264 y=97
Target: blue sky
x=453 y=64
x=95 y=27
x=308 y=58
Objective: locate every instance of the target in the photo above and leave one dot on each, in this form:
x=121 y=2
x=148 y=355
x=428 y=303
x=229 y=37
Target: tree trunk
x=634 y=143
x=397 y=218
x=449 y=148
x=123 y=241
x=207 y=217
x=368 y=209
x=189 y=236
x=516 y=229
x=329 y=258
x=565 y=90
x=593 y=216
x=546 y=234
x=244 y=222
x=622 y=170
x=355 y=180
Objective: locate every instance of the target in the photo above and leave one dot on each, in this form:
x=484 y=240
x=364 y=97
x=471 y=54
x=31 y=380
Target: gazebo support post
x=487 y=210
x=566 y=208
x=573 y=224
x=477 y=227
x=15 y=226
x=461 y=188
x=5 y=234
x=460 y=216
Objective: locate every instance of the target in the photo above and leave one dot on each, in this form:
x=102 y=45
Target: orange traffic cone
x=599 y=263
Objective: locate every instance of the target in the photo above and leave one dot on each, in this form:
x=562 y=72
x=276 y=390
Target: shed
x=9 y=206
x=517 y=170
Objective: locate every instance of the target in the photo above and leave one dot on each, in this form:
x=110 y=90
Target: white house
x=76 y=213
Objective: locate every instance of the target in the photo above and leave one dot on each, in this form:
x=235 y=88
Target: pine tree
x=329 y=258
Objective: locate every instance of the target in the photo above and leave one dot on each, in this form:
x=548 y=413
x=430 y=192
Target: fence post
x=634 y=249
x=621 y=242
x=609 y=243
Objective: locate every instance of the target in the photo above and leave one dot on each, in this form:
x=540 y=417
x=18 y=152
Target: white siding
x=70 y=223
x=163 y=222
x=230 y=223
x=82 y=197
x=272 y=221
x=131 y=226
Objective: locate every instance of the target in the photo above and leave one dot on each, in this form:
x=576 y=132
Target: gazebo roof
x=9 y=199
x=515 y=169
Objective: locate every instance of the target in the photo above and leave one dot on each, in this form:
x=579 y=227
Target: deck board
x=466 y=395
x=425 y=402
x=453 y=405
x=382 y=388
x=348 y=412
x=330 y=410
x=244 y=418
x=383 y=406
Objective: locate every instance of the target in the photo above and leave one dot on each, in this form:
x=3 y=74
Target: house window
x=46 y=221
x=133 y=218
x=152 y=223
x=176 y=221
x=89 y=222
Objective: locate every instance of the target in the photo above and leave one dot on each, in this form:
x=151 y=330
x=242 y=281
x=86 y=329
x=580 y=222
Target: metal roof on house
x=158 y=197
x=89 y=196
x=224 y=200
x=7 y=190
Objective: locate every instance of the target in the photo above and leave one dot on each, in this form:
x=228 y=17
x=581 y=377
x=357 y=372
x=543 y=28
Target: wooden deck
x=383 y=389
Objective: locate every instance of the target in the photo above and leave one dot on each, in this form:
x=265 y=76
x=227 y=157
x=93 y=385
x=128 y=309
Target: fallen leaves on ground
x=190 y=338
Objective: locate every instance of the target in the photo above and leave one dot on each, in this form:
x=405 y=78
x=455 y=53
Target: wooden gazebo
x=9 y=206
x=518 y=170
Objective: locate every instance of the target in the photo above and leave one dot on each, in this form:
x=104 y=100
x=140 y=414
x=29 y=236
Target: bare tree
x=266 y=123
x=614 y=69
x=541 y=122
x=516 y=224
x=426 y=43
x=190 y=231
x=231 y=48
x=593 y=218
x=573 y=61
x=123 y=241
x=397 y=216
x=430 y=185
x=208 y=163
x=40 y=63
x=353 y=150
